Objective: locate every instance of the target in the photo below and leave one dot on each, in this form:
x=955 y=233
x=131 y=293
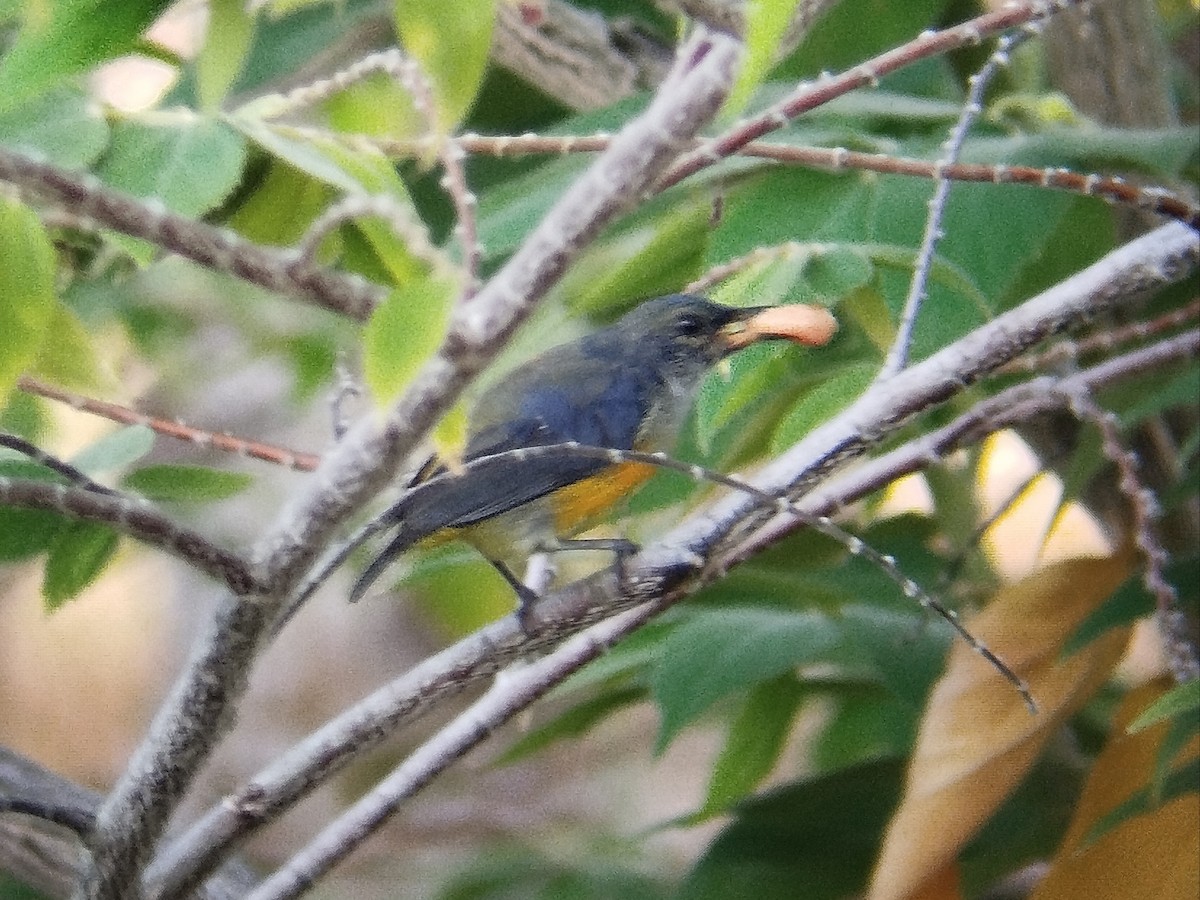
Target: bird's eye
x=689 y=325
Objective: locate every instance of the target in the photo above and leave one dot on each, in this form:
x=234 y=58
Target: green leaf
x=230 y=33
x=1156 y=152
x=754 y=742
x=510 y=210
x=1177 y=702
x=943 y=272
x=67 y=38
x=361 y=172
x=313 y=357
x=848 y=33
x=717 y=652
x=379 y=107
x=653 y=258
x=68 y=359
x=836 y=270
x=575 y=722
x=766 y=24
x=456 y=590
x=78 y=555
x=188 y=163
x=377 y=176
x=63 y=126
x=777 y=279
x=404 y=330
x=451 y=41
x=1131 y=601
x=866 y=724
x=307 y=156
x=821 y=403
x=1179 y=391
x=814 y=839
x=26 y=532
x=26 y=290
x=1180 y=734
x=834 y=210
x=1084 y=234
x=282 y=207
x=742 y=405
x=116 y=450
x=1180 y=782
x=194 y=484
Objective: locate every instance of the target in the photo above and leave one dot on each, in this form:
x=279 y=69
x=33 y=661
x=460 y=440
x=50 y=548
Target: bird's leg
x=540 y=572
x=526 y=596
x=620 y=548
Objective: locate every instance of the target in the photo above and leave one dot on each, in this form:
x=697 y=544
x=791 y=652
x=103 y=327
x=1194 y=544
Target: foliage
x=919 y=775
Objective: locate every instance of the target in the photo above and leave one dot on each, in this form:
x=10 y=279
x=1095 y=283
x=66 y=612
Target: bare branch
x=172 y=428
x=682 y=562
x=135 y=518
x=202 y=704
x=809 y=97
x=509 y=695
x=216 y=248
x=53 y=463
x=897 y=357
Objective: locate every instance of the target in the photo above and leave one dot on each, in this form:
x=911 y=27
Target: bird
x=625 y=387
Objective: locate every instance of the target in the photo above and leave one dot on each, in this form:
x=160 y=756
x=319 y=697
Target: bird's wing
x=602 y=405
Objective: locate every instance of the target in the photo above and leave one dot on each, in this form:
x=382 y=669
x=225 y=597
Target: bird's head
x=689 y=334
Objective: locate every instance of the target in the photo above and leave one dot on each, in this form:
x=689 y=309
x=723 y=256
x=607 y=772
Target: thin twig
x=808 y=97
x=173 y=428
x=1182 y=655
x=201 y=707
x=897 y=357
x=402 y=220
x=667 y=570
x=1111 y=189
x=1104 y=341
x=53 y=463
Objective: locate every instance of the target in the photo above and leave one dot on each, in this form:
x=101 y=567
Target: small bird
x=625 y=387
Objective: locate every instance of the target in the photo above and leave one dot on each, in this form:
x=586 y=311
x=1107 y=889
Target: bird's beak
x=801 y=324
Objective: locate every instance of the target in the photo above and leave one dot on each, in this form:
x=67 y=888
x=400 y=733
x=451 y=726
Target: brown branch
x=1115 y=190
x=173 y=428
x=809 y=97
x=136 y=519
x=201 y=708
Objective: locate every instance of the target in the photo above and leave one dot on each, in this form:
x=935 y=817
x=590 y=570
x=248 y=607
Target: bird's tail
x=404 y=539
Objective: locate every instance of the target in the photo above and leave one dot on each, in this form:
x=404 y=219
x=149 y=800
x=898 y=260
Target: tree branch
x=201 y=705
x=217 y=248
x=682 y=562
x=136 y=519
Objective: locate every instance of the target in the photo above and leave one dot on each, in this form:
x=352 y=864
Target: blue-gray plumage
x=625 y=387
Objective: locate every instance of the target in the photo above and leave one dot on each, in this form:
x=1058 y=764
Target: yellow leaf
x=978 y=741
x=450 y=436
x=402 y=333
x=1153 y=855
